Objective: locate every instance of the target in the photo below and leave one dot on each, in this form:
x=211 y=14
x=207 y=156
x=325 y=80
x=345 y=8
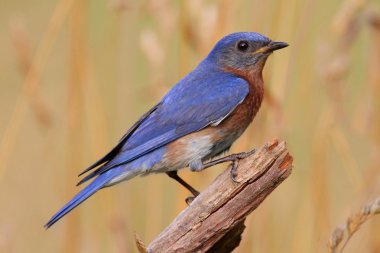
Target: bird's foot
x=234 y=158
x=189 y=200
x=174 y=175
x=235 y=161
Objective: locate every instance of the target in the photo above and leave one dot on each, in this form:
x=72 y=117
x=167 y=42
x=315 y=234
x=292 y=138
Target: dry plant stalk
x=140 y=244
x=344 y=33
x=214 y=221
x=342 y=234
x=75 y=108
x=335 y=68
x=32 y=81
x=24 y=57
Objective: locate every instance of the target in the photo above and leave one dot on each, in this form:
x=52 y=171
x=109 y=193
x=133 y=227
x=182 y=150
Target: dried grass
x=31 y=83
x=324 y=103
x=342 y=234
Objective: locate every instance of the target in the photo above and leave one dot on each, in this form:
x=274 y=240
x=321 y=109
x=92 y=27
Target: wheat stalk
x=342 y=234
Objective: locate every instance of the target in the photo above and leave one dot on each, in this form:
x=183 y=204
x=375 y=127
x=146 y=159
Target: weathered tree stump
x=214 y=221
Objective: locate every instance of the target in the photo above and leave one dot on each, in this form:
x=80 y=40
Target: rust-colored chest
x=244 y=113
x=219 y=138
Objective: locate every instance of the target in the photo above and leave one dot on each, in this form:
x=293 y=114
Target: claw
x=189 y=200
x=233 y=171
x=235 y=163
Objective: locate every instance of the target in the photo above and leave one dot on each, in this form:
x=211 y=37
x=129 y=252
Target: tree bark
x=214 y=221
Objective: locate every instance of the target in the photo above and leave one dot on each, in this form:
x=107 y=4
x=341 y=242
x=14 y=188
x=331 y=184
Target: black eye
x=242 y=45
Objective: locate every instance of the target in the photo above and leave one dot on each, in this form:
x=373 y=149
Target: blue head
x=244 y=50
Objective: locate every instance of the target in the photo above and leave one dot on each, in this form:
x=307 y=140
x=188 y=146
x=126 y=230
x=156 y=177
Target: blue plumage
x=182 y=111
x=93 y=187
x=201 y=100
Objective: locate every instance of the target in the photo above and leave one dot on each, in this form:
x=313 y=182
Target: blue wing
x=122 y=141
x=193 y=104
x=199 y=100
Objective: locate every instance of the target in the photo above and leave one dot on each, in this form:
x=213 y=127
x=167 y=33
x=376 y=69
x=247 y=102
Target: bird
x=196 y=122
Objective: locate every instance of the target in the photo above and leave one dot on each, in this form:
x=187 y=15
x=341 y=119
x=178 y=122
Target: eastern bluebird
x=197 y=120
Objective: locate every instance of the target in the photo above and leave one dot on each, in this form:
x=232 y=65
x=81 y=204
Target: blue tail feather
x=89 y=190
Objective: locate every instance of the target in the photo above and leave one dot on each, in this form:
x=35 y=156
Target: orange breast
x=213 y=140
x=244 y=113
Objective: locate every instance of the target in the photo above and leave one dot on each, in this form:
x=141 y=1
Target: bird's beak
x=272 y=46
x=276 y=45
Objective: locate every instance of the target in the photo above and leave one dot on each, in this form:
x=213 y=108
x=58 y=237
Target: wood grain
x=214 y=221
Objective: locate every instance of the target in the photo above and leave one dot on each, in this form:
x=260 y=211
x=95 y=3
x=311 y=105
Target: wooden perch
x=214 y=221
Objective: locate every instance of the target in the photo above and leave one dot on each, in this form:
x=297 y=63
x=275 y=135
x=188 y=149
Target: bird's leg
x=174 y=175
x=234 y=158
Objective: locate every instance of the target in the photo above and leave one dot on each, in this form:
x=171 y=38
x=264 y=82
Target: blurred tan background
x=75 y=75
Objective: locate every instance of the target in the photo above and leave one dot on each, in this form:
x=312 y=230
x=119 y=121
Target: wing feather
x=187 y=108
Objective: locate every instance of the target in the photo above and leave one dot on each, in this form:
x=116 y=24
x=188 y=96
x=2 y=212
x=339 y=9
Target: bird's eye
x=242 y=46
